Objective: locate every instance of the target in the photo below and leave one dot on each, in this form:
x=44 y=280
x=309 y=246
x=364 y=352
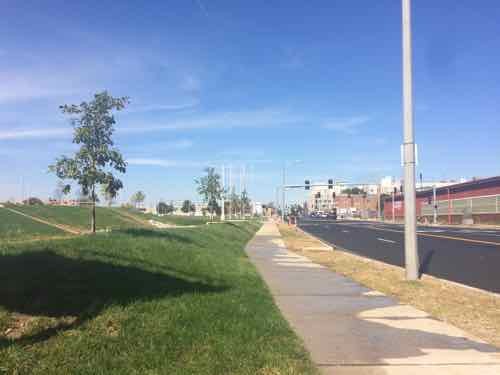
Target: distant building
x=63 y=202
x=321 y=198
x=389 y=183
x=477 y=199
x=257 y=209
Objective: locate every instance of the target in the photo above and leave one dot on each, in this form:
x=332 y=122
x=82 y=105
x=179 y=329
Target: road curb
x=327 y=245
x=423 y=277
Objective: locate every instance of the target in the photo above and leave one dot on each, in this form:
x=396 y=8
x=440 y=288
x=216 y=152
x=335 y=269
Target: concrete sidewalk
x=350 y=329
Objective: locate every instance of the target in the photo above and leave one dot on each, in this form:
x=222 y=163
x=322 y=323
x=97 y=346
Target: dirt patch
x=473 y=311
x=22 y=326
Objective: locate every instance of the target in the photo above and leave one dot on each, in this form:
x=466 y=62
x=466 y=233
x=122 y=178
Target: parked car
x=332 y=214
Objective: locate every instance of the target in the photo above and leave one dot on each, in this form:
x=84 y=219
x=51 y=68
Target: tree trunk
x=93 y=211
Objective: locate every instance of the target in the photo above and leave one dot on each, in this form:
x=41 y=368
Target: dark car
x=332 y=214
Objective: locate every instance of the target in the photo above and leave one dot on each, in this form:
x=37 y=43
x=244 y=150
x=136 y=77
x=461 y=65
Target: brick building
x=478 y=199
x=358 y=205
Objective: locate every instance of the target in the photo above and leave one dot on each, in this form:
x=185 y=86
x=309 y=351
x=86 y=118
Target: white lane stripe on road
x=384 y=240
x=345 y=231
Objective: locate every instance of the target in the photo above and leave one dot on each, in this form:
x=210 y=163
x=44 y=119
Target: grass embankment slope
x=474 y=311
x=141 y=301
x=77 y=217
x=18 y=227
x=167 y=219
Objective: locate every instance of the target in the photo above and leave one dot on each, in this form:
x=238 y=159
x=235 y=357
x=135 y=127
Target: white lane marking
x=345 y=231
x=383 y=239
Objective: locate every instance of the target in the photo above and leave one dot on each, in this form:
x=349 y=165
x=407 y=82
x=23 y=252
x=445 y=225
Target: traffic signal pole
x=283 y=197
x=411 y=250
x=223 y=208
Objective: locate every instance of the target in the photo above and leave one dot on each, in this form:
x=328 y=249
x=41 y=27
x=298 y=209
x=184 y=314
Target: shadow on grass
x=426 y=261
x=43 y=283
x=152 y=233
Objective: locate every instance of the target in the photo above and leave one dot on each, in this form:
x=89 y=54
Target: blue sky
x=250 y=83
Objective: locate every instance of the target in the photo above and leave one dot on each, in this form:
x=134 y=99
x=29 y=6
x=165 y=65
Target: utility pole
x=283 y=196
x=230 y=192
x=379 y=203
x=277 y=198
x=241 y=191
x=223 y=208
x=243 y=208
x=393 y=208
x=411 y=249
x=434 y=203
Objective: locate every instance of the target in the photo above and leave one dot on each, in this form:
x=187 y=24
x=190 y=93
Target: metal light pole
x=411 y=249
x=230 y=191
x=434 y=204
x=222 y=213
x=283 y=195
x=393 y=208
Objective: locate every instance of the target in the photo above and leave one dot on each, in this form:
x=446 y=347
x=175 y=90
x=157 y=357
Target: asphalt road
x=467 y=256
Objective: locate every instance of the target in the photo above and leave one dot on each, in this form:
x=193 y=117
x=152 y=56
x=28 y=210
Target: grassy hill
x=167 y=219
x=17 y=227
x=142 y=301
x=78 y=217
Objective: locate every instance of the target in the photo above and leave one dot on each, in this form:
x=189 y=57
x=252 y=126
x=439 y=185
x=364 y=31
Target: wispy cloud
x=224 y=120
x=293 y=58
x=167 y=163
x=34 y=133
x=163 y=107
x=180 y=144
x=348 y=125
x=22 y=88
x=190 y=83
x=153 y=146
x=202 y=7
x=174 y=163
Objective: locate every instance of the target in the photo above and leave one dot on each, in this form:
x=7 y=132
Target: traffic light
x=330 y=183
x=307 y=184
x=395 y=190
x=401 y=189
x=429 y=200
x=333 y=195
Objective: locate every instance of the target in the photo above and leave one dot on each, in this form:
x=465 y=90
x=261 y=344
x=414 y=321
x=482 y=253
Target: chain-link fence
x=475 y=205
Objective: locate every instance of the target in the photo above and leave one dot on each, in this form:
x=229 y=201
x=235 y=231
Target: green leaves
x=93 y=163
x=209 y=187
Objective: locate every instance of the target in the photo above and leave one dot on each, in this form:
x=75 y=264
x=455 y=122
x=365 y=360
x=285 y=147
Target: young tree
x=59 y=191
x=209 y=187
x=161 y=208
x=170 y=208
x=138 y=198
x=33 y=201
x=187 y=206
x=108 y=197
x=93 y=163
x=245 y=202
x=234 y=202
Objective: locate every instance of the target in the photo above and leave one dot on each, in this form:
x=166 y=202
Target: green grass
x=142 y=301
x=170 y=219
x=17 y=227
x=180 y=220
x=78 y=217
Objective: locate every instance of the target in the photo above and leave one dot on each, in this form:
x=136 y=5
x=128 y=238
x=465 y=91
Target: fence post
x=449 y=207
